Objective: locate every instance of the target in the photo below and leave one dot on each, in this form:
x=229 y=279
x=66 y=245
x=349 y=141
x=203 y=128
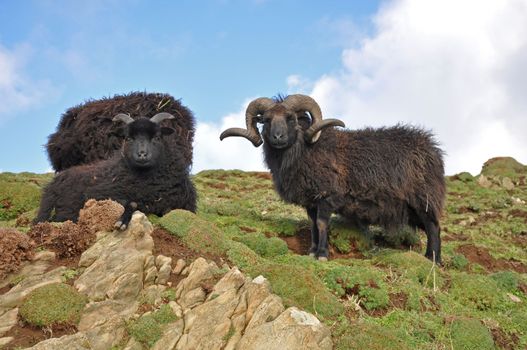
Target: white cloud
x=455 y=67
x=16 y=91
x=231 y=153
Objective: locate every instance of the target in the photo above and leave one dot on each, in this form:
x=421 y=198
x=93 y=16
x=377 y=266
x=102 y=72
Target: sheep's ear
x=117 y=132
x=166 y=131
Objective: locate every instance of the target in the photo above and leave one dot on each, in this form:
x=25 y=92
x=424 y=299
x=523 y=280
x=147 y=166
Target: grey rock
x=6 y=340
x=293 y=329
x=14 y=297
x=180 y=265
x=171 y=337
x=8 y=320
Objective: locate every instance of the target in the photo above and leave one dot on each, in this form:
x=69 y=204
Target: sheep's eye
x=157 y=138
x=128 y=139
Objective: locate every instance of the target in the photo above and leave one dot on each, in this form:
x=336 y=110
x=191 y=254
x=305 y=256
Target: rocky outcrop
x=214 y=307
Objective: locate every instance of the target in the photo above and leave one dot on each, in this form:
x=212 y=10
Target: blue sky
x=367 y=62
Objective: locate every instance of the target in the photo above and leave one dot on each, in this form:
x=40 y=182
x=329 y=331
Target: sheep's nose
x=278 y=136
x=142 y=154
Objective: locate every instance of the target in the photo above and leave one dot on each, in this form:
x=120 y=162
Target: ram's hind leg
x=433 y=242
x=430 y=225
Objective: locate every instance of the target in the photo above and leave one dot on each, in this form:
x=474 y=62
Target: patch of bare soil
x=217 y=185
x=504 y=340
x=520 y=240
x=398 y=300
x=518 y=213
x=261 y=175
x=482 y=257
x=25 y=335
x=455 y=237
x=301 y=242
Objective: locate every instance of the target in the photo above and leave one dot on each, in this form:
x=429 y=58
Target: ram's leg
x=312 y=213
x=323 y=215
x=432 y=230
x=433 y=242
x=124 y=220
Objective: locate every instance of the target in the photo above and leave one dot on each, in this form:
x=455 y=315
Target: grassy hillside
x=376 y=292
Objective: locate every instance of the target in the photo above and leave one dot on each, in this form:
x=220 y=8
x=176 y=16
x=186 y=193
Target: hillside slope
x=376 y=291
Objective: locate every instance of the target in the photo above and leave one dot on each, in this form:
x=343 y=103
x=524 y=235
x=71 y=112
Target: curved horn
x=125 y=118
x=313 y=133
x=306 y=103
x=159 y=117
x=251 y=133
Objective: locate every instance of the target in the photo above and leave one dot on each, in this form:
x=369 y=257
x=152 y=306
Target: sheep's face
x=143 y=145
x=281 y=126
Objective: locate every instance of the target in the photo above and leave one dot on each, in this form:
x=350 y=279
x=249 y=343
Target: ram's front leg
x=312 y=213
x=124 y=220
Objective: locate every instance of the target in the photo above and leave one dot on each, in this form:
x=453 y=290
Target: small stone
x=5 y=341
x=150 y=276
x=180 y=265
x=484 y=182
x=507 y=183
x=517 y=201
x=164 y=273
x=163 y=260
x=259 y=279
x=178 y=311
x=8 y=321
x=514 y=298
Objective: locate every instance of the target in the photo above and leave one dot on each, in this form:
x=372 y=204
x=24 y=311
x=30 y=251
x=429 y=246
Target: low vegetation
x=53 y=305
x=376 y=291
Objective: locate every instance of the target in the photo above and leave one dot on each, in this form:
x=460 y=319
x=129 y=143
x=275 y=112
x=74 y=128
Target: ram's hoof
x=312 y=255
x=322 y=258
x=120 y=226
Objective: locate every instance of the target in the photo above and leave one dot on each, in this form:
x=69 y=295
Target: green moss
x=366 y=282
x=459 y=262
x=368 y=336
x=507 y=280
x=198 y=234
x=476 y=291
x=148 y=329
x=298 y=286
x=242 y=256
x=169 y=294
x=52 y=304
x=413 y=266
x=263 y=246
x=20 y=193
x=69 y=274
x=503 y=166
x=344 y=236
x=470 y=334
x=463 y=177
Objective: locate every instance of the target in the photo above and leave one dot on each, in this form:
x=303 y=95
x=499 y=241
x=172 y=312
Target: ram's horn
x=306 y=103
x=125 y=118
x=159 y=117
x=251 y=133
